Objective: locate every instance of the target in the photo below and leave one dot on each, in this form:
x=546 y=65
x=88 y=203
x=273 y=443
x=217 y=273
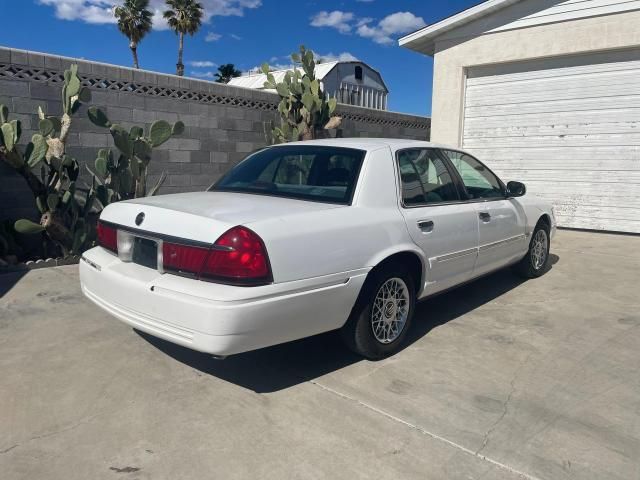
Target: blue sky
x=246 y=33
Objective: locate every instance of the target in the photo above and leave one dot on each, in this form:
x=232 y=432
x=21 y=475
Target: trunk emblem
x=139 y=218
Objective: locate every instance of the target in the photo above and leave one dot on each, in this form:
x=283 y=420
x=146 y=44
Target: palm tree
x=183 y=16
x=226 y=72
x=134 y=21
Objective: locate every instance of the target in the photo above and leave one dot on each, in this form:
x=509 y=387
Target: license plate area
x=145 y=252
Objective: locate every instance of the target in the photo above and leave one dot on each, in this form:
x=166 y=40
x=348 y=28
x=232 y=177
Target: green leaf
x=7 y=135
x=66 y=197
x=85 y=95
x=122 y=140
x=68 y=161
x=142 y=150
x=282 y=89
x=17 y=130
x=135 y=168
x=27 y=226
x=178 y=128
x=39 y=150
x=126 y=182
x=57 y=125
x=265 y=68
x=52 y=201
x=40 y=204
x=295 y=58
x=160 y=132
x=98 y=117
x=315 y=87
x=308 y=101
x=56 y=163
x=101 y=166
x=46 y=127
x=332 y=102
x=4 y=113
x=73 y=86
x=136 y=132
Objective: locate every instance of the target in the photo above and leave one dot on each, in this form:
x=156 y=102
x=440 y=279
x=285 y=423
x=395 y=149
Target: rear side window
x=318 y=173
x=425 y=178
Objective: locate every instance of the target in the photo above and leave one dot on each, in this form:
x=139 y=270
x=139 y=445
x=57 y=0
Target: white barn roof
x=256 y=80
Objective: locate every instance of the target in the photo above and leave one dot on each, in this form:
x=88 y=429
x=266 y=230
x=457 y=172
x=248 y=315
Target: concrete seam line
x=426 y=432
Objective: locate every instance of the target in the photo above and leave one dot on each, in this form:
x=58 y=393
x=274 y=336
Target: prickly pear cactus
x=306 y=112
x=65 y=208
x=124 y=175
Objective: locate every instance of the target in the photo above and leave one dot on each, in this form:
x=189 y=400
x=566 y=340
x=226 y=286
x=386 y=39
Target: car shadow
x=282 y=366
x=8 y=280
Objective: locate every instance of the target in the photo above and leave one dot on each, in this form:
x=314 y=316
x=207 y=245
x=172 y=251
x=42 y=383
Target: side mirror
x=516 y=189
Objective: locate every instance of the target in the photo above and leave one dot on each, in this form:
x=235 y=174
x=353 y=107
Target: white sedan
x=308 y=237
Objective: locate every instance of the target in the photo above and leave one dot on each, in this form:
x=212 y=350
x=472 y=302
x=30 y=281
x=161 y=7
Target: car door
x=501 y=220
x=442 y=225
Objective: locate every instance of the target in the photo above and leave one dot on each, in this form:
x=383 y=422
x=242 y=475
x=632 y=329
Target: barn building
x=352 y=83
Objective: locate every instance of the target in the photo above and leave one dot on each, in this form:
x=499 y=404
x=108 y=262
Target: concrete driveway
x=501 y=380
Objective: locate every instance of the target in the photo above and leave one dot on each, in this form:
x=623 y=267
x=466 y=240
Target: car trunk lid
x=202 y=216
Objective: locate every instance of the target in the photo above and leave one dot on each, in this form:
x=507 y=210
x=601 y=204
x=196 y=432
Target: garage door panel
x=590 y=223
x=627 y=119
x=621 y=193
x=560 y=131
x=628 y=139
x=567 y=127
x=595 y=178
x=531 y=91
x=569 y=66
x=517 y=107
x=599 y=166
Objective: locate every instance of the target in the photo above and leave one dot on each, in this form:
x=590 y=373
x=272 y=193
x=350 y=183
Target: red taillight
x=239 y=255
x=183 y=258
x=107 y=237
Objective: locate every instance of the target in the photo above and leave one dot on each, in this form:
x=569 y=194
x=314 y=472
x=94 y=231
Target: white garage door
x=569 y=128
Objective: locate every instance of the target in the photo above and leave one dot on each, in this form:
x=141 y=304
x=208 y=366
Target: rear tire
x=536 y=261
x=382 y=315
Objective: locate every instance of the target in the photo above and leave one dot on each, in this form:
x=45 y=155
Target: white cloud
x=382 y=32
x=336 y=19
x=340 y=57
x=90 y=11
x=205 y=75
x=202 y=63
x=212 y=37
x=101 y=11
x=394 y=24
x=235 y=37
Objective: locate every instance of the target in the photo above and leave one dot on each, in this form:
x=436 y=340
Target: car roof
x=369 y=143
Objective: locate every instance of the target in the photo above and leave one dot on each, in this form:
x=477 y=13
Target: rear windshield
x=321 y=174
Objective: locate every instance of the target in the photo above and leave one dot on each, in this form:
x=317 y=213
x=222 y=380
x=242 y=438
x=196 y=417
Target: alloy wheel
x=390 y=310
x=539 y=248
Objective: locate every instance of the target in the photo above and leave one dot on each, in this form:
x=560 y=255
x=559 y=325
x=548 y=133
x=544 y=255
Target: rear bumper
x=214 y=318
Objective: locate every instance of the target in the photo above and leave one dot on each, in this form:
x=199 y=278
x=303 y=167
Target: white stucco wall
x=468 y=47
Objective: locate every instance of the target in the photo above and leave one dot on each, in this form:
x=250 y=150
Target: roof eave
x=423 y=40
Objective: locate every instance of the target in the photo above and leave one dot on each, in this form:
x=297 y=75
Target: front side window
x=425 y=178
x=477 y=179
x=317 y=173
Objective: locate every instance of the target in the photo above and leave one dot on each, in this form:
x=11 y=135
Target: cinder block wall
x=223 y=123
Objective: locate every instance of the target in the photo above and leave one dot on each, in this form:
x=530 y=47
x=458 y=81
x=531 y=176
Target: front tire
x=379 y=321
x=536 y=261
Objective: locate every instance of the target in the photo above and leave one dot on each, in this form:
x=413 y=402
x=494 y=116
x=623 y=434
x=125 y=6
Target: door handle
x=485 y=217
x=426 y=226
